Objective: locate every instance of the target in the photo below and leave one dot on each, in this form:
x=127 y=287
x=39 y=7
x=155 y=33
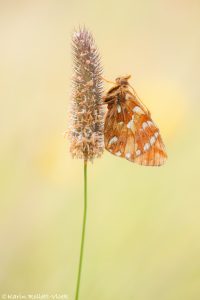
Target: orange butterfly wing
x=130 y=132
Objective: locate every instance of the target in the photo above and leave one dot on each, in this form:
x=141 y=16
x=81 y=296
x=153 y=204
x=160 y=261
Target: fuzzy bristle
x=87 y=112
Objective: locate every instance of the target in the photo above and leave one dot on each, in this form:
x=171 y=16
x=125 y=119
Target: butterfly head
x=120 y=82
x=123 y=80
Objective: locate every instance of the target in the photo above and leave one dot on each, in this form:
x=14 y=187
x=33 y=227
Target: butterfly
x=129 y=131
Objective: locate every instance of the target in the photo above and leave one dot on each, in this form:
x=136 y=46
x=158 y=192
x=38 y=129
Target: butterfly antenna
x=136 y=95
x=107 y=80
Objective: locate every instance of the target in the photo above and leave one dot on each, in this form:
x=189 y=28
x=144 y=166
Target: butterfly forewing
x=130 y=132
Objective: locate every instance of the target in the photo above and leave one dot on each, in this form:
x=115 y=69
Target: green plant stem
x=83 y=231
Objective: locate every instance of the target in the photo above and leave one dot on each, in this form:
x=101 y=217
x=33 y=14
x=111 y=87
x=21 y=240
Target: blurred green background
x=143 y=230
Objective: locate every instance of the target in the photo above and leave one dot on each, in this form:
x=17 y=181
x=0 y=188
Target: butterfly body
x=129 y=130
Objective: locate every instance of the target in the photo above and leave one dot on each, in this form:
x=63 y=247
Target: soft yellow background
x=143 y=230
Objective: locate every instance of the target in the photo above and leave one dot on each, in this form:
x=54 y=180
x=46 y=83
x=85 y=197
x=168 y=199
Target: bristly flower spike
x=86 y=130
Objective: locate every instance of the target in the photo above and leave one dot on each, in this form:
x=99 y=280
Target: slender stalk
x=83 y=231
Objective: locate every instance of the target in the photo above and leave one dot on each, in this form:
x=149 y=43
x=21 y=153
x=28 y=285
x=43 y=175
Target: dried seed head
x=87 y=113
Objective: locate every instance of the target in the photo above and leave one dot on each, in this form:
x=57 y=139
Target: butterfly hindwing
x=115 y=132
